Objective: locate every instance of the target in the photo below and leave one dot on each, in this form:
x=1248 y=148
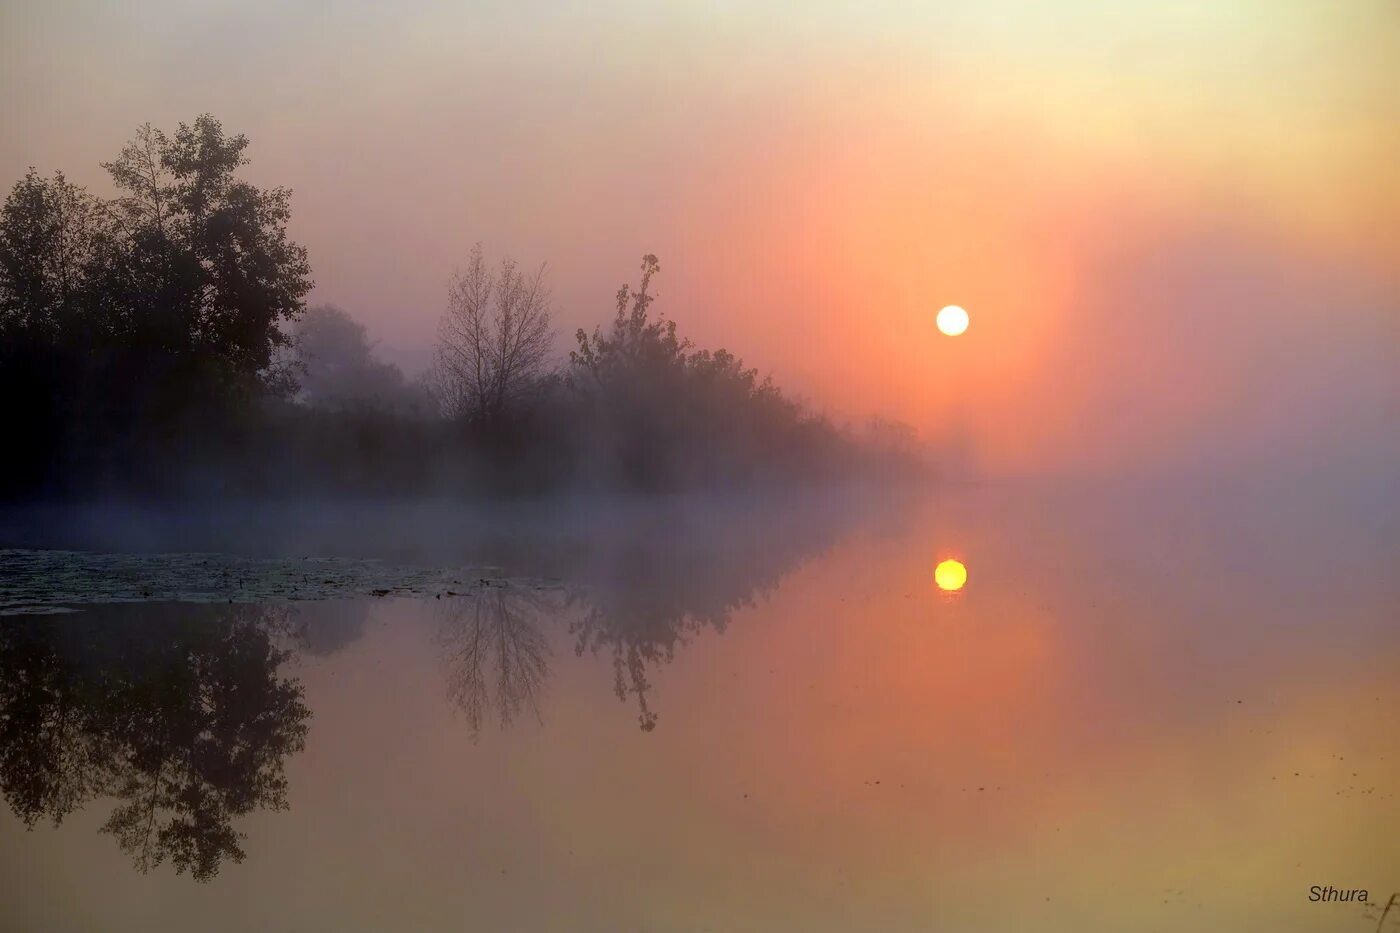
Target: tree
x=131 y=320
x=666 y=414
x=207 y=272
x=53 y=234
x=636 y=344
x=50 y=231
x=493 y=341
x=336 y=367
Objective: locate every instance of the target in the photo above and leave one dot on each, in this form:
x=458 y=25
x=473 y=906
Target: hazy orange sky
x=1176 y=225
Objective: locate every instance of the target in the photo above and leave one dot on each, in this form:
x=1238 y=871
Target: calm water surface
x=1140 y=713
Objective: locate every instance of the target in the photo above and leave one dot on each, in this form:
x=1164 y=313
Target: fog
x=501 y=460
x=1149 y=242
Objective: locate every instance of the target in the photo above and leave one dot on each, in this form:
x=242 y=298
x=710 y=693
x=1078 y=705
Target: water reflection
x=1388 y=909
x=178 y=712
x=848 y=760
x=637 y=588
x=950 y=575
x=320 y=628
x=494 y=652
x=652 y=587
x=181 y=714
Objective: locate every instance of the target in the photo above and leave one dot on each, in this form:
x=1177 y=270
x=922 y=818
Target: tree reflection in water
x=638 y=591
x=649 y=588
x=494 y=651
x=636 y=637
x=178 y=712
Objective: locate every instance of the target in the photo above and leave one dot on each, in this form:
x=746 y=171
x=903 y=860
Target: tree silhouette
x=157 y=328
x=205 y=266
x=493 y=342
x=132 y=320
x=666 y=415
x=178 y=714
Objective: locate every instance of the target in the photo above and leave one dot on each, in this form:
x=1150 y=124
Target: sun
x=952 y=320
x=950 y=575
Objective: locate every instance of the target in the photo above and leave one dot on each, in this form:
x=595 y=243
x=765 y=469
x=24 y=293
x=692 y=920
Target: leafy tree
x=635 y=344
x=152 y=327
x=336 y=368
x=129 y=320
x=50 y=233
x=669 y=415
x=206 y=271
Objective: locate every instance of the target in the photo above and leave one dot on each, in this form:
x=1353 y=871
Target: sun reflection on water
x=950 y=575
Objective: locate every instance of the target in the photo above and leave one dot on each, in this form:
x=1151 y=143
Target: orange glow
x=950 y=575
x=843 y=181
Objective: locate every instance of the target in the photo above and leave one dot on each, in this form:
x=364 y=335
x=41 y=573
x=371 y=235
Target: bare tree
x=493 y=341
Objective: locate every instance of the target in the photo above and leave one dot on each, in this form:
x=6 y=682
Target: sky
x=1175 y=225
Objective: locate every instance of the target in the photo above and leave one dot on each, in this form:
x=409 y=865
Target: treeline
x=158 y=342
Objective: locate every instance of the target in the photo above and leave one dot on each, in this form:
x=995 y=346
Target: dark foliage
x=660 y=414
x=128 y=326
x=179 y=716
x=153 y=344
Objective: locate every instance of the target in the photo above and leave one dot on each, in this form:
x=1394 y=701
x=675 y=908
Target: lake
x=1144 y=710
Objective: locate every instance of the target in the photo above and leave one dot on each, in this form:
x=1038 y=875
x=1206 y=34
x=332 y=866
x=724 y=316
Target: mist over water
x=503 y=466
x=668 y=645
x=856 y=745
